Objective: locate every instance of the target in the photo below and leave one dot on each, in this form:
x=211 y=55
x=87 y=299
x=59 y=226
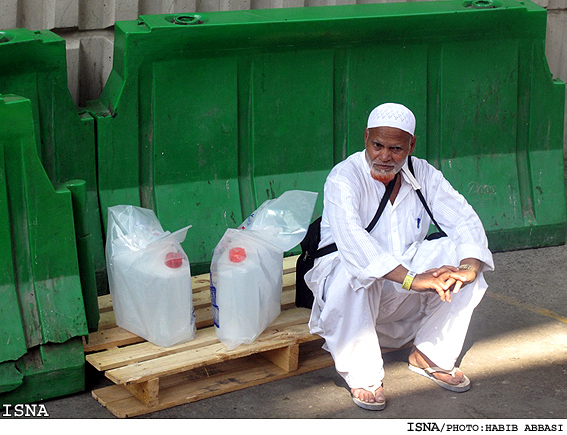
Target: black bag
x=303 y=294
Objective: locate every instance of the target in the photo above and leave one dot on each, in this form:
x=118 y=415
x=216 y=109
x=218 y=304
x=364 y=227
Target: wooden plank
x=204 y=317
x=106 y=320
x=201 y=298
x=198 y=357
x=118 y=357
x=286 y=358
x=109 y=335
x=211 y=381
x=289 y=264
x=200 y=282
x=113 y=358
x=145 y=392
x=109 y=338
x=104 y=303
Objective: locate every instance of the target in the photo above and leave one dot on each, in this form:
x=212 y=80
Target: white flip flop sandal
x=370 y=406
x=465 y=385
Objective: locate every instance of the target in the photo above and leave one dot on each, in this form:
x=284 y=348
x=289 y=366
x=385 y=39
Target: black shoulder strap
x=389 y=188
x=422 y=199
x=385 y=198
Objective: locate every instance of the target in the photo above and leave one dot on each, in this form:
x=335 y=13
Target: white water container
x=152 y=296
x=246 y=283
x=149 y=277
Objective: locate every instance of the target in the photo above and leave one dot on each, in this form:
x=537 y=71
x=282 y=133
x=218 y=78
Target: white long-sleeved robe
x=356 y=310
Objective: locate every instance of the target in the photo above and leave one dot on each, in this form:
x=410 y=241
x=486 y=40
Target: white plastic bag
x=149 y=277
x=247 y=266
x=283 y=221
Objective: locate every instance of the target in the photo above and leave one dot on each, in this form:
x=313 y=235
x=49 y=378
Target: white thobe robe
x=356 y=310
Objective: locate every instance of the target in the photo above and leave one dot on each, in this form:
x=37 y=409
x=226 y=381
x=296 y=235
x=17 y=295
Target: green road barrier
x=205 y=116
x=34 y=65
x=42 y=314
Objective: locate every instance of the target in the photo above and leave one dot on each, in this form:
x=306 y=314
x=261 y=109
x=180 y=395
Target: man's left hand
x=458 y=277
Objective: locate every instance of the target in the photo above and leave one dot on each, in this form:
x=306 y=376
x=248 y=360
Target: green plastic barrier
x=42 y=314
x=33 y=65
x=205 y=116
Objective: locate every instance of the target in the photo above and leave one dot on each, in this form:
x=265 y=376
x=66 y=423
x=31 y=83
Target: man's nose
x=385 y=155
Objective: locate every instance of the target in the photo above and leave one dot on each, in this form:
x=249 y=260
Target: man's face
x=386 y=151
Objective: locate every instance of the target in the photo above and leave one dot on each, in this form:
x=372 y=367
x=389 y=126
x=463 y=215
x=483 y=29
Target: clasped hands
x=446 y=279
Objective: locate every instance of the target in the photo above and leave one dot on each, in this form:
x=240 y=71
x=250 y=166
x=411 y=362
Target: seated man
x=390 y=286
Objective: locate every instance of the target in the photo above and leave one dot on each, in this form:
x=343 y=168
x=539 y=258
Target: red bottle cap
x=237 y=255
x=173 y=260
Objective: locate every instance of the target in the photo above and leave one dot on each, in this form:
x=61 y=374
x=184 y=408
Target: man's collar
x=409 y=176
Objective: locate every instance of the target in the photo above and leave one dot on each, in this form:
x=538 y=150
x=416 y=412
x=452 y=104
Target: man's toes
x=456 y=379
x=459 y=377
x=363 y=394
x=379 y=395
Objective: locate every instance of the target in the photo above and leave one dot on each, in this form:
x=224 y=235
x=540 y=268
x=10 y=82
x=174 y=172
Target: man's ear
x=365 y=134
x=412 y=145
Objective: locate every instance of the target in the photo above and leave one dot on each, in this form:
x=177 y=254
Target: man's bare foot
x=366 y=399
x=454 y=377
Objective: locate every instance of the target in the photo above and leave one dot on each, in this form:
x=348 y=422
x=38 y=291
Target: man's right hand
x=437 y=280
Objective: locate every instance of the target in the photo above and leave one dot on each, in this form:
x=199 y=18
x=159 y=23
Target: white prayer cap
x=392 y=115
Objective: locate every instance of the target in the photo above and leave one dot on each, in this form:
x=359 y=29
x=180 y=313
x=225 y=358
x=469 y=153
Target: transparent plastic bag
x=247 y=267
x=149 y=277
x=283 y=221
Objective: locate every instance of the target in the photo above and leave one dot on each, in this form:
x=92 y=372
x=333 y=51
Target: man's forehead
x=389 y=133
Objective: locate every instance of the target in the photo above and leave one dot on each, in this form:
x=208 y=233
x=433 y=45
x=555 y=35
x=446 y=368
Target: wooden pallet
x=148 y=378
